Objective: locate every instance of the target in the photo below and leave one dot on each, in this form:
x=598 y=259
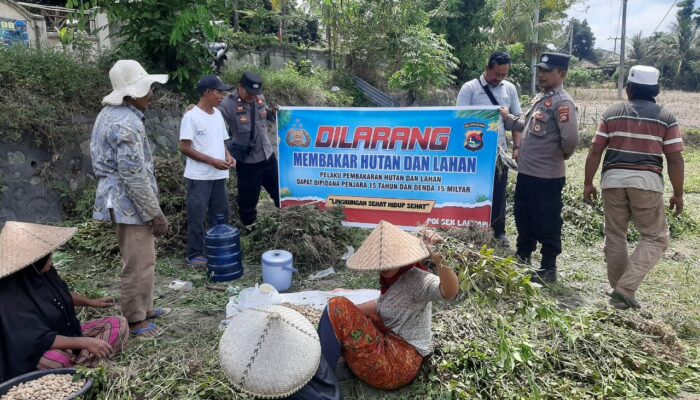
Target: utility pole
x=534 y=47
x=614 y=44
x=571 y=37
x=621 y=77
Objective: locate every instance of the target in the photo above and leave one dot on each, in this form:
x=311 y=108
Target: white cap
x=643 y=75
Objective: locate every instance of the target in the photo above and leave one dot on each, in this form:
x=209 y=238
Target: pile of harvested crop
x=310 y=313
x=98 y=239
x=506 y=338
x=173 y=196
x=315 y=237
x=48 y=387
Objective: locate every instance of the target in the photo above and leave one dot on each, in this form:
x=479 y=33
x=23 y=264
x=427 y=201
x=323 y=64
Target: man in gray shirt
x=476 y=93
x=246 y=115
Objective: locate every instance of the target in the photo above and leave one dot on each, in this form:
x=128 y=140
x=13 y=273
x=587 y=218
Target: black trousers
x=498 y=205
x=251 y=178
x=204 y=199
x=538 y=205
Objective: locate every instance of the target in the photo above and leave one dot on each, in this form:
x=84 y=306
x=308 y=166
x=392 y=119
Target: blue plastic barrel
x=224 y=253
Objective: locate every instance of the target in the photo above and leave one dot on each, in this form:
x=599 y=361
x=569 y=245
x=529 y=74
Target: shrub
x=288 y=87
x=583 y=77
x=42 y=88
x=691 y=137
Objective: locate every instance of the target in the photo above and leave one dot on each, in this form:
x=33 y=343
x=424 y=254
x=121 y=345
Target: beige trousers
x=137 y=248
x=646 y=210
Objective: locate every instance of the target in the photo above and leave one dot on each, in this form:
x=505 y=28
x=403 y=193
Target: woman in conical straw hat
x=384 y=340
x=38 y=324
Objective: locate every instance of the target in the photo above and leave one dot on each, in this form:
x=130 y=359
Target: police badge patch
x=298 y=137
x=563 y=113
x=474 y=140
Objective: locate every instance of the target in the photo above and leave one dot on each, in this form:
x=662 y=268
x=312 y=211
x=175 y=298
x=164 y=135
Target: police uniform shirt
x=550 y=134
x=239 y=118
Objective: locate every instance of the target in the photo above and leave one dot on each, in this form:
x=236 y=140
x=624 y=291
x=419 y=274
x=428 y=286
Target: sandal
x=196 y=262
x=158 y=312
x=150 y=330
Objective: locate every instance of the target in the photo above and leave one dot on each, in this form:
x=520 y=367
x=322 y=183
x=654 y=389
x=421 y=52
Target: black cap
x=212 y=82
x=554 y=60
x=252 y=82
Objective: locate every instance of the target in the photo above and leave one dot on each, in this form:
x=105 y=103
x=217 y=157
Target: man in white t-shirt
x=202 y=135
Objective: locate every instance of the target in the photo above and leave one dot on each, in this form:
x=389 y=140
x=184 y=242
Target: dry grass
x=592 y=102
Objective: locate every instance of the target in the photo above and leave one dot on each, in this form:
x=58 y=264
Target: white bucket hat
x=22 y=243
x=130 y=79
x=387 y=247
x=269 y=352
x=643 y=75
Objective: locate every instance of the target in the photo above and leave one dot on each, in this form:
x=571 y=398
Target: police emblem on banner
x=298 y=137
x=474 y=140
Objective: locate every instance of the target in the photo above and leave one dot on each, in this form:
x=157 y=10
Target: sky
x=642 y=15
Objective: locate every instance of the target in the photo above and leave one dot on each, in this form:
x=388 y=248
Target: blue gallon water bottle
x=224 y=253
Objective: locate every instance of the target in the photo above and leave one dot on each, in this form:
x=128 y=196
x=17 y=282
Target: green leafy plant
x=167 y=36
x=506 y=338
x=42 y=89
x=426 y=61
x=288 y=87
x=583 y=77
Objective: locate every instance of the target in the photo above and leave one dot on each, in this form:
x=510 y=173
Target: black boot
x=548 y=270
x=543 y=276
x=523 y=258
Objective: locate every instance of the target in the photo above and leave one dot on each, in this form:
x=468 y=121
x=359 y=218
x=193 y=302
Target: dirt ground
x=592 y=102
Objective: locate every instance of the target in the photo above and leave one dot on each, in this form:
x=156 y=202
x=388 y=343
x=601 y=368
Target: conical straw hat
x=387 y=247
x=269 y=352
x=22 y=243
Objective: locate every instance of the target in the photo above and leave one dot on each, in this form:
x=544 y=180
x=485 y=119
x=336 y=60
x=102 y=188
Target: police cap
x=554 y=60
x=252 y=82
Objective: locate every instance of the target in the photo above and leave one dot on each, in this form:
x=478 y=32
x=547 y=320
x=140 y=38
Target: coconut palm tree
x=514 y=21
x=640 y=49
x=685 y=34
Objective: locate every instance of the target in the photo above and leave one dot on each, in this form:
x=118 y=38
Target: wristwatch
x=516 y=147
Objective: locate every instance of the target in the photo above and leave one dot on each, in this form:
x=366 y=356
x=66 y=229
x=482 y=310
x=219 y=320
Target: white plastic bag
x=260 y=295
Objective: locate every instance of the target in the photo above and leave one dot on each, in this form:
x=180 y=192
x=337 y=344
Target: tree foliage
x=265 y=19
x=426 y=61
x=465 y=25
x=514 y=22
x=167 y=37
x=583 y=40
x=384 y=41
x=676 y=53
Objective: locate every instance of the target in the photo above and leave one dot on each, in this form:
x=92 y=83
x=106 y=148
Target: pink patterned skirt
x=113 y=330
